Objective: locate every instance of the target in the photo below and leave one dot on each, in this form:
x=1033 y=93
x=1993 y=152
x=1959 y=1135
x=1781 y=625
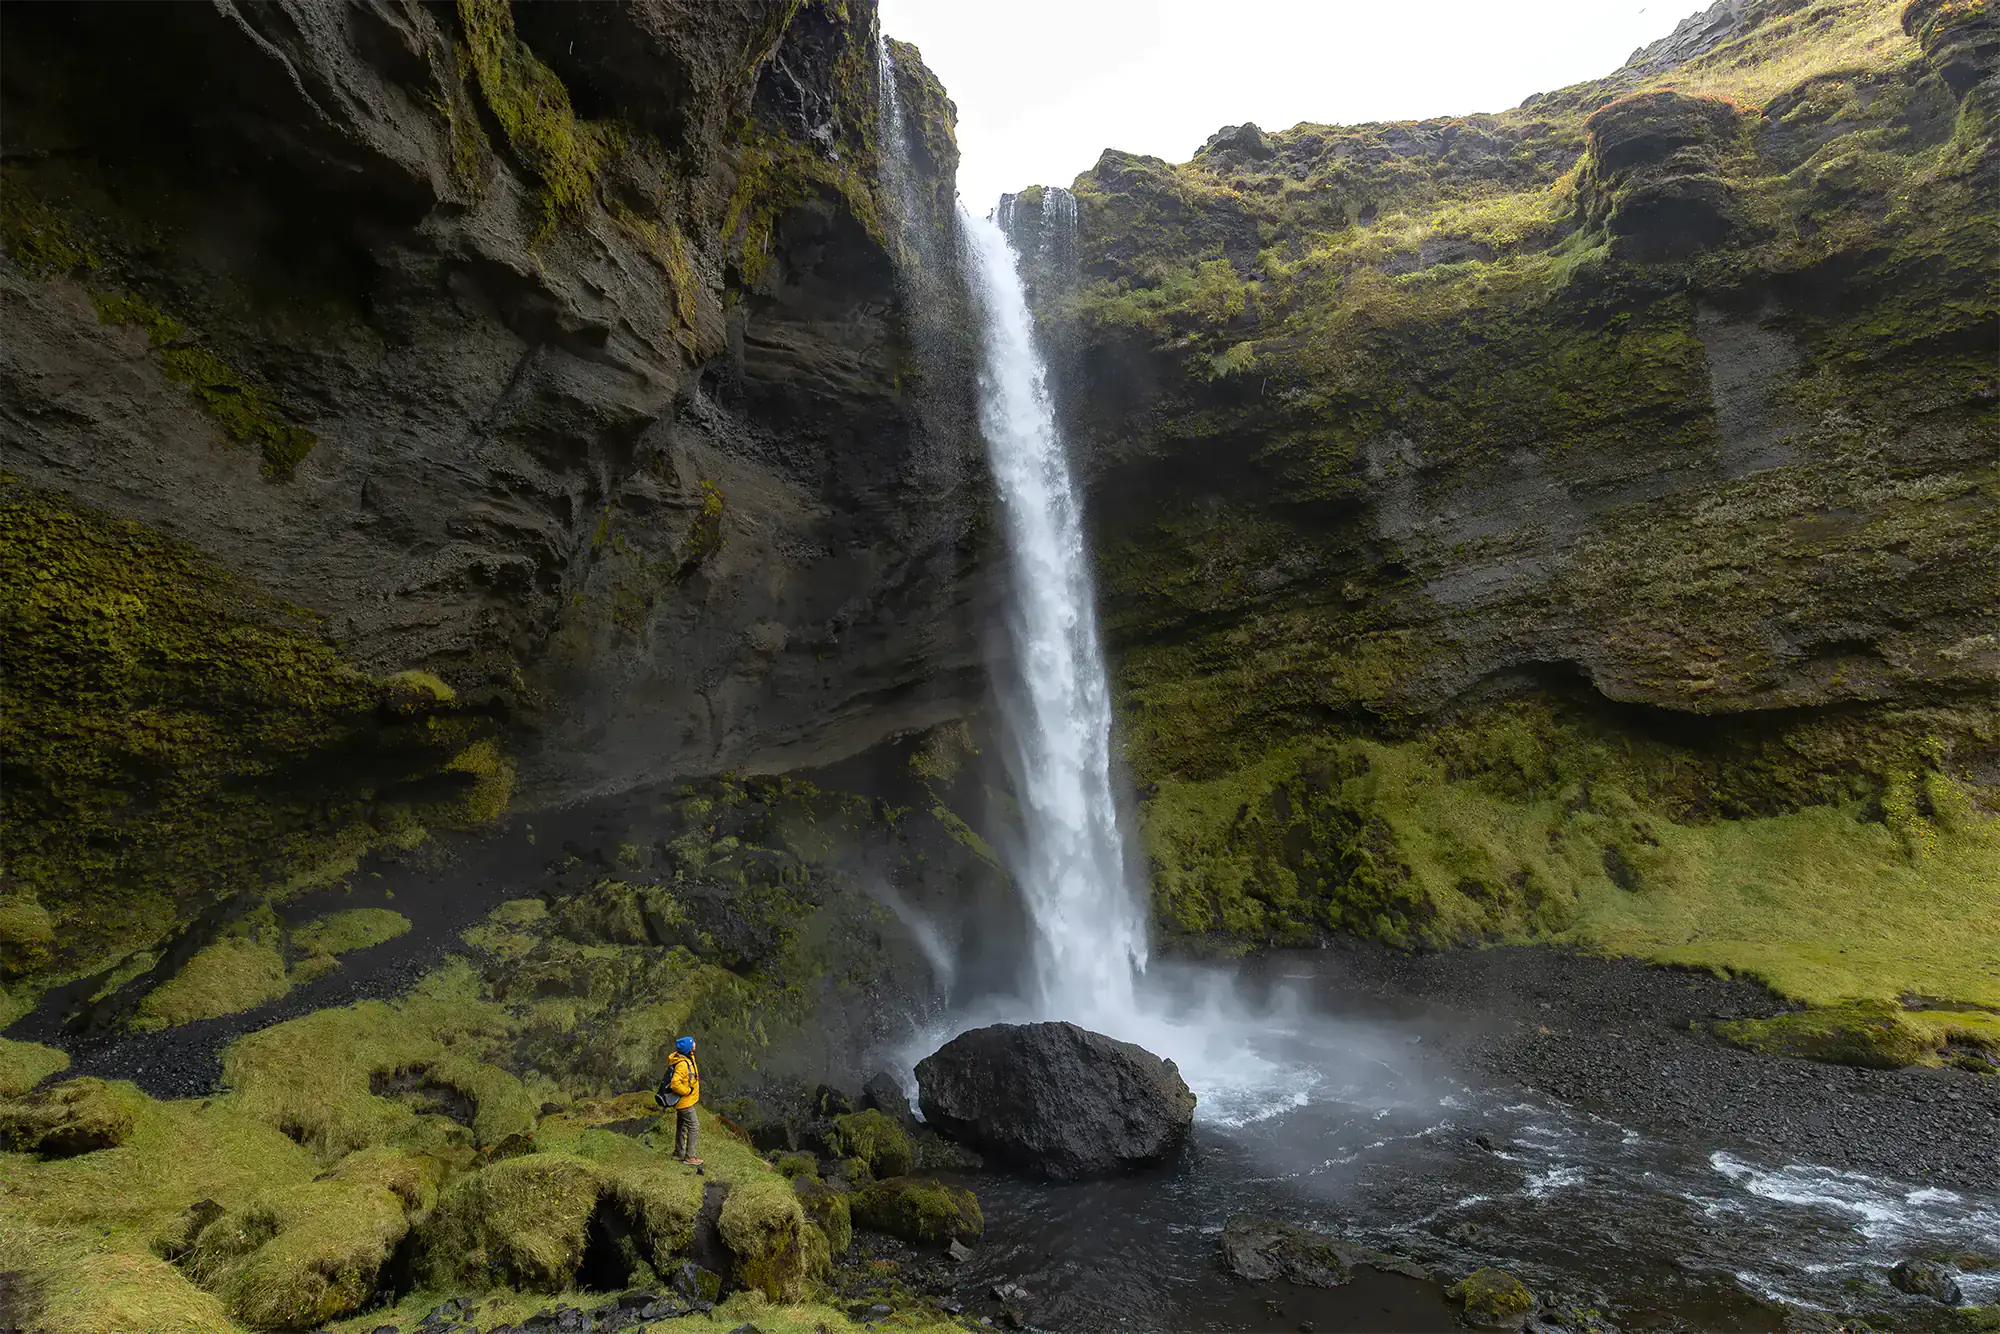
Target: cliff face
x=1581 y=520
x=410 y=408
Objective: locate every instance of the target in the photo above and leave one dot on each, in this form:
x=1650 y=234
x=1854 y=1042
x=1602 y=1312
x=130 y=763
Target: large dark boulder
x=1055 y=1100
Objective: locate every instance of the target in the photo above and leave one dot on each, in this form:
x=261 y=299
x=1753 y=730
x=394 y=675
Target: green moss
x=243 y=411
x=353 y=929
x=924 y=1211
x=1493 y=1298
x=533 y=109
x=1866 y=1033
x=874 y=1138
x=828 y=1209
x=522 y=1222
x=173 y=736
x=227 y=977
x=82 y=1287
x=778 y=1252
x=416 y=692
x=26 y=1064
x=704 y=535
x=39 y=240
x=26 y=933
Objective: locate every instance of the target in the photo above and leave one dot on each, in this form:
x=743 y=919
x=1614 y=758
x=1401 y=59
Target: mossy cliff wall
x=1582 y=520
x=549 y=357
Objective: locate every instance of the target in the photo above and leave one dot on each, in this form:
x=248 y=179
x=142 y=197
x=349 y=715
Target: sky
x=1044 y=86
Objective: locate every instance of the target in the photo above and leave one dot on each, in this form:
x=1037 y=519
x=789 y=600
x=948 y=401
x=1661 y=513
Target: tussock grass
x=26 y=1064
x=228 y=977
x=353 y=929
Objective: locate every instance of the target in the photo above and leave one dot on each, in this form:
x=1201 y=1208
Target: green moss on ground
x=522 y=1223
x=778 y=1251
x=829 y=1210
x=1860 y=1033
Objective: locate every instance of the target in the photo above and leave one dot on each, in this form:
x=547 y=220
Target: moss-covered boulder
x=524 y=1222
x=1866 y=1033
x=27 y=934
x=75 y=1116
x=1493 y=1298
x=921 y=1210
x=315 y=1252
x=778 y=1251
x=828 y=1209
x=874 y=1138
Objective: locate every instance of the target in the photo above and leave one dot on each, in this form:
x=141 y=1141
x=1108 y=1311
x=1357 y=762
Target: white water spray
x=1089 y=936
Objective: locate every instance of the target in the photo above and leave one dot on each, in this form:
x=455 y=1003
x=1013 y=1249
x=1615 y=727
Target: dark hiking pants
x=685 y=1125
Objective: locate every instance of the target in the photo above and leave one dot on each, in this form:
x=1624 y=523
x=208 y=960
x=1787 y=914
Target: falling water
x=1089 y=935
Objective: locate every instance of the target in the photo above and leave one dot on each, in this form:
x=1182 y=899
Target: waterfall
x=1089 y=934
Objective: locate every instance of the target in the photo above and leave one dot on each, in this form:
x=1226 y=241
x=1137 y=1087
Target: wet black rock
x=884 y=1094
x=1925 y=1278
x=1055 y=1100
x=1260 y=1249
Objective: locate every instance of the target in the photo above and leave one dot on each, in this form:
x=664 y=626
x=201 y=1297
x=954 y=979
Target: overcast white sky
x=1043 y=86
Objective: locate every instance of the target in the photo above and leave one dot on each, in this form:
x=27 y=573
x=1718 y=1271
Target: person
x=681 y=1090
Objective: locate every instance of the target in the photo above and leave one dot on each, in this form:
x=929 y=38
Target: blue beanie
x=685 y=1046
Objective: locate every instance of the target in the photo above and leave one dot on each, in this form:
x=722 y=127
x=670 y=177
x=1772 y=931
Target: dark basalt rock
x=1259 y=1249
x=1926 y=1278
x=885 y=1095
x=1055 y=1100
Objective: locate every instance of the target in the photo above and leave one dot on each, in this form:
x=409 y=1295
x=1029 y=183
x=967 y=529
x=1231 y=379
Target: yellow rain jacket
x=684 y=1078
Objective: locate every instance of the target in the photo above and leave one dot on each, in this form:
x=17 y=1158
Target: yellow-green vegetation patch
x=352 y=929
x=1821 y=904
x=227 y=977
x=75 y=1116
x=84 y=1284
x=26 y=1064
x=533 y=109
x=301 y=1256
x=1867 y=1033
x=26 y=934
x=314 y=1076
x=829 y=1210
